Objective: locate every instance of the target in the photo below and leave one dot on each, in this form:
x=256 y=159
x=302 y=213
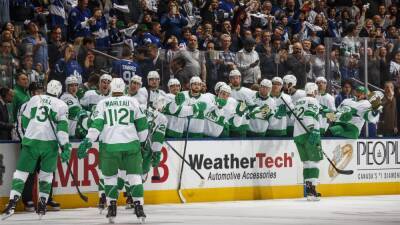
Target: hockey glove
x=199 y=107
x=221 y=102
x=280 y=112
x=345 y=117
x=83 y=147
x=179 y=98
x=314 y=137
x=156 y=158
x=241 y=108
x=65 y=152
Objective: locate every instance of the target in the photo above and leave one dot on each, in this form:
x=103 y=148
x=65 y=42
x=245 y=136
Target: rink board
x=235 y=170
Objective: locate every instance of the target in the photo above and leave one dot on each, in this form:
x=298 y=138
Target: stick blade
x=182 y=198
x=345 y=172
x=84 y=197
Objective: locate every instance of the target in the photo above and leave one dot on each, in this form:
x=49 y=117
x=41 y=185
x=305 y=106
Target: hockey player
x=352 y=114
x=327 y=103
x=125 y=68
x=219 y=113
x=43 y=116
x=92 y=97
x=260 y=116
x=308 y=141
x=89 y=102
x=174 y=86
x=122 y=128
x=241 y=94
x=289 y=87
x=218 y=85
x=156 y=94
x=278 y=123
x=195 y=99
x=135 y=90
x=70 y=98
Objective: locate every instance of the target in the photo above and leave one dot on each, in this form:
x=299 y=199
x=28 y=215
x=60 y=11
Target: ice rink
x=374 y=210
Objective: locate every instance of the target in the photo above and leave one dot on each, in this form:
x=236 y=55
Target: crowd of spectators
x=54 y=39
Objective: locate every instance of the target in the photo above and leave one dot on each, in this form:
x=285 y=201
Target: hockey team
x=131 y=122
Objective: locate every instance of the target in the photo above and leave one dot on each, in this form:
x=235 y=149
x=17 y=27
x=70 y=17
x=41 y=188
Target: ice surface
x=376 y=210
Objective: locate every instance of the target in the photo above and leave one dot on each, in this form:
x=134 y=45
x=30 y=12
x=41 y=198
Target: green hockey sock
x=120 y=183
x=137 y=191
x=17 y=185
x=111 y=191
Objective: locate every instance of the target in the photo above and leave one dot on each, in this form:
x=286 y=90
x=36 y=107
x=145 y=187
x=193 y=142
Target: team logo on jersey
x=2 y=169
x=342 y=156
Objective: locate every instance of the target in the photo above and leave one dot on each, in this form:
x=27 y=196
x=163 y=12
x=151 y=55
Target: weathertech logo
x=341 y=158
x=230 y=161
x=2 y=169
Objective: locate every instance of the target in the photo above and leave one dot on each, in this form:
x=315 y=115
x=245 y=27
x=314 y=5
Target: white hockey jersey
x=279 y=122
x=119 y=123
x=327 y=103
x=39 y=110
x=73 y=109
x=91 y=98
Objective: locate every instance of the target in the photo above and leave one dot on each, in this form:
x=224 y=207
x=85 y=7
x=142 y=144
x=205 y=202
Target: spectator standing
x=389 y=117
x=99 y=29
x=6 y=96
x=226 y=59
x=56 y=46
x=36 y=44
x=298 y=64
x=318 y=62
x=7 y=65
x=173 y=22
x=57 y=13
x=79 y=21
x=21 y=93
x=68 y=66
x=248 y=63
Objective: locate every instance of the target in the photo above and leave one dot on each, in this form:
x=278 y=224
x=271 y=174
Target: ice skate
x=53 y=205
x=10 y=208
x=41 y=207
x=112 y=211
x=102 y=203
x=139 y=211
x=29 y=206
x=311 y=192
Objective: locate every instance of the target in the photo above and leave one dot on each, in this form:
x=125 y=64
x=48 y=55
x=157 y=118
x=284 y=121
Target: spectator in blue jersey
x=173 y=22
x=125 y=68
x=37 y=45
x=68 y=66
x=156 y=34
x=79 y=21
x=100 y=30
x=142 y=37
x=57 y=14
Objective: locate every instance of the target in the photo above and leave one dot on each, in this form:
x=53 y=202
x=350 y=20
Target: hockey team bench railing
x=235 y=169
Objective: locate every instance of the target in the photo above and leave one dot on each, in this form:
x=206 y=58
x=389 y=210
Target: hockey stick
x=183 y=200
x=83 y=197
x=345 y=172
x=187 y=163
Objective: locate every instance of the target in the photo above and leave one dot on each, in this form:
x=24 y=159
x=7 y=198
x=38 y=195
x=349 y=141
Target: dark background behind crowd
x=53 y=39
